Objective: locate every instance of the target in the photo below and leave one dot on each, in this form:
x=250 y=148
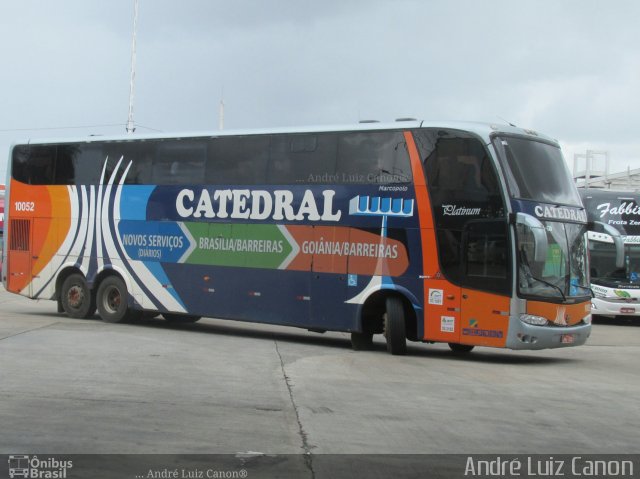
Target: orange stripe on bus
x=427 y=235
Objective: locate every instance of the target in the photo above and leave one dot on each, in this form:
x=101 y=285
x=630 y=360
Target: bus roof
x=483 y=130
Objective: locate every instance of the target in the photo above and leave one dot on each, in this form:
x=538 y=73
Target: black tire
x=113 y=300
x=361 y=341
x=76 y=298
x=395 y=329
x=460 y=348
x=180 y=318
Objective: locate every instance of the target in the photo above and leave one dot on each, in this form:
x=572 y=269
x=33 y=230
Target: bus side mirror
x=599 y=227
x=541 y=245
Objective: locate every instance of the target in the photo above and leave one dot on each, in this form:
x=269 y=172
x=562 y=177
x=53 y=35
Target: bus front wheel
x=76 y=298
x=113 y=299
x=395 y=330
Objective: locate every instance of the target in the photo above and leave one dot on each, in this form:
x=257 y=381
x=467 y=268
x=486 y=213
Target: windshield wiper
x=593 y=295
x=564 y=298
x=527 y=271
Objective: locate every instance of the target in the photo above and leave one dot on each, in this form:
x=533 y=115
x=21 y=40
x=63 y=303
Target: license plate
x=627 y=310
x=567 y=339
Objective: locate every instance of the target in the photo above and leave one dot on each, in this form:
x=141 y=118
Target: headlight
x=533 y=319
x=587 y=319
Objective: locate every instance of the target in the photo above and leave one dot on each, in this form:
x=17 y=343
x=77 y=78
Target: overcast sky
x=570 y=69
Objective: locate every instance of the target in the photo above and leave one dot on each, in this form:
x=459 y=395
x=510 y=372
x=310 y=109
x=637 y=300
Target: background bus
x=616 y=289
x=463 y=233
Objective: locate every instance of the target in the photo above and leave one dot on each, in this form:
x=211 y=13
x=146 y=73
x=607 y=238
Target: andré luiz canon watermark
x=193 y=473
x=549 y=466
x=22 y=465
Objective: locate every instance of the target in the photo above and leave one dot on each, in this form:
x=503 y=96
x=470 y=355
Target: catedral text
x=256 y=205
x=560 y=213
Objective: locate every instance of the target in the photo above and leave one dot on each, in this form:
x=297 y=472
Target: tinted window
x=139 y=153
x=373 y=157
x=301 y=158
x=536 y=171
x=20 y=170
x=34 y=165
x=463 y=183
x=179 y=162
x=237 y=160
x=354 y=157
x=486 y=255
x=462 y=164
x=468 y=209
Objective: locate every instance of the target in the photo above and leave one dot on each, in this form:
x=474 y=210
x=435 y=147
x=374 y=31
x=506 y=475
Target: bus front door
x=484 y=318
x=442 y=311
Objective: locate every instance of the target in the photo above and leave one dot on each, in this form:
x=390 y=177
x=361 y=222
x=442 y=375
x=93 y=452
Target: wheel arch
x=112 y=271
x=64 y=273
x=372 y=309
x=93 y=281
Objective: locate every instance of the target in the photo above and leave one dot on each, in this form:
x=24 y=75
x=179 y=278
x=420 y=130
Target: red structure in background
x=1 y=222
x=1 y=210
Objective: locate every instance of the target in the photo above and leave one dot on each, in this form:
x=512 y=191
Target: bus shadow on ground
x=617 y=321
x=300 y=336
x=294 y=335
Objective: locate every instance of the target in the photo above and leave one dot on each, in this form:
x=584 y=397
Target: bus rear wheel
x=180 y=318
x=395 y=330
x=76 y=298
x=113 y=300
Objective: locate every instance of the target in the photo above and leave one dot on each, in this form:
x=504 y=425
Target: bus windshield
x=603 y=264
x=564 y=272
x=536 y=170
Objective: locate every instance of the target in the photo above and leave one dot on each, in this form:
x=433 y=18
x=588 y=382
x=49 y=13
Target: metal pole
x=130 y=127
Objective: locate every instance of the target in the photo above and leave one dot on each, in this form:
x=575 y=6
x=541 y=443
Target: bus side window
x=302 y=158
x=373 y=157
x=40 y=165
x=140 y=155
x=79 y=164
x=468 y=209
x=179 y=162
x=485 y=246
x=461 y=166
x=65 y=171
x=237 y=160
x=20 y=164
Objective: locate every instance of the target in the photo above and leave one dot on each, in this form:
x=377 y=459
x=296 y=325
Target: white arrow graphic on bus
x=384 y=207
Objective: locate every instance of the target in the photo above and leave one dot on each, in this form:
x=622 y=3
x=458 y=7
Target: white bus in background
x=616 y=289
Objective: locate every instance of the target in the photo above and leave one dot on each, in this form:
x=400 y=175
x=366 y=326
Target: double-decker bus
x=616 y=285
x=469 y=234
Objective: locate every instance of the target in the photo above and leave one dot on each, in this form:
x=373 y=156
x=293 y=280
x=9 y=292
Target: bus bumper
x=527 y=336
x=614 y=307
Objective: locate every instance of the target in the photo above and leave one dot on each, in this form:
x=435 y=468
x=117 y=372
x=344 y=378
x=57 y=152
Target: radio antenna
x=130 y=127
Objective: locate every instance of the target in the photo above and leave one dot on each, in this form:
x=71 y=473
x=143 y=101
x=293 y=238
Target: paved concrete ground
x=84 y=386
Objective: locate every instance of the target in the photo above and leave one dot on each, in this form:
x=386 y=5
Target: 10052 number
x=25 y=206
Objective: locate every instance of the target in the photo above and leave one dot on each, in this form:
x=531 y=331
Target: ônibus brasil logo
x=21 y=465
